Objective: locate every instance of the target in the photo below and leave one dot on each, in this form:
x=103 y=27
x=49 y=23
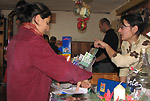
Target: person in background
x=53 y=45
x=103 y=63
x=46 y=37
x=31 y=62
x=131 y=29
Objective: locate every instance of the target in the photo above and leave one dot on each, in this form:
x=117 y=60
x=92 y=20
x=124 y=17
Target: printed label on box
x=66 y=47
x=102 y=87
x=67 y=56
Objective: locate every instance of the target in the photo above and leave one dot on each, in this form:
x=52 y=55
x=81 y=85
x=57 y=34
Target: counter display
x=76 y=96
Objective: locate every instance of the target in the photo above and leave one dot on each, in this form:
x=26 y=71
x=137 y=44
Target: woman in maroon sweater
x=32 y=63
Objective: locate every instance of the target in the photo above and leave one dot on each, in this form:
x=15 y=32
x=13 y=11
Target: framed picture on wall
x=53 y=18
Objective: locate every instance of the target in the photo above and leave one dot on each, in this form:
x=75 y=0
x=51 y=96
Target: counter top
x=68 y=97
x=73 y=97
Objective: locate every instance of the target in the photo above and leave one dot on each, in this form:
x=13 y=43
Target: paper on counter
x=71 y=90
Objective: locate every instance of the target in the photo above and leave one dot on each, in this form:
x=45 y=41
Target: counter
x=74 y=97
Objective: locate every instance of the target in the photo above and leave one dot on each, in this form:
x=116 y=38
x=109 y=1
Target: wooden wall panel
x=53 y=20
x=79 y=47
x=109 y=76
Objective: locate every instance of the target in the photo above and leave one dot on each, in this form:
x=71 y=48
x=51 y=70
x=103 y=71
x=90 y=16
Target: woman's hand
x=99 y=44
x=84 y=84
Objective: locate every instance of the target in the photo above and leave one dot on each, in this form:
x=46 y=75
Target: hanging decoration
x=77 y=2
x=83 y=10
x=82 y=24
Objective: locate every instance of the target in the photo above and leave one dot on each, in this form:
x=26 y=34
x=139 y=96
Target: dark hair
x=46 y=36
x=134 y=19
x=20 y=4
x=25 y=11
x=53 y=38
x=105 y=20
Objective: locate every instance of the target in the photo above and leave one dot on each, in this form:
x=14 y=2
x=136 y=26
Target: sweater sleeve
x=53 y=65
x=123 y=60
x=130 y=55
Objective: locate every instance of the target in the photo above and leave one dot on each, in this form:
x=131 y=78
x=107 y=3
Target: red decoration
x=82 y=24
x=107 y=96
x=77 y=2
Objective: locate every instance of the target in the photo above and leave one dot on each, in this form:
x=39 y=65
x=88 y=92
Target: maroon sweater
x=32 y=64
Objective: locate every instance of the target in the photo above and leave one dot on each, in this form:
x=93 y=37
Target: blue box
x=104 y=84
x=66 y=47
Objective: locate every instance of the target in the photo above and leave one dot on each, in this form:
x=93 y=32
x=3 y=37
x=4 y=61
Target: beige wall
x=115 y=22
x=66 y=25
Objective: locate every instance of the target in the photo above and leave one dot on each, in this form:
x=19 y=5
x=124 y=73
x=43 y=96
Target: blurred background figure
x=53 y=45
x=46 y=37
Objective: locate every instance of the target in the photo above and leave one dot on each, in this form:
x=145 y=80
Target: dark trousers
x=104 y=68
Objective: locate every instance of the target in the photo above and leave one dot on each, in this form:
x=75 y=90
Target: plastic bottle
x=138 y=79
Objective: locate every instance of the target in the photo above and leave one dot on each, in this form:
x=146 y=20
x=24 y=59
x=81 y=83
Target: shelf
x=128 y=6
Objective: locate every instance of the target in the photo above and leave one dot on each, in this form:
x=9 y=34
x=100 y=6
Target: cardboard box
x=66 y=47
